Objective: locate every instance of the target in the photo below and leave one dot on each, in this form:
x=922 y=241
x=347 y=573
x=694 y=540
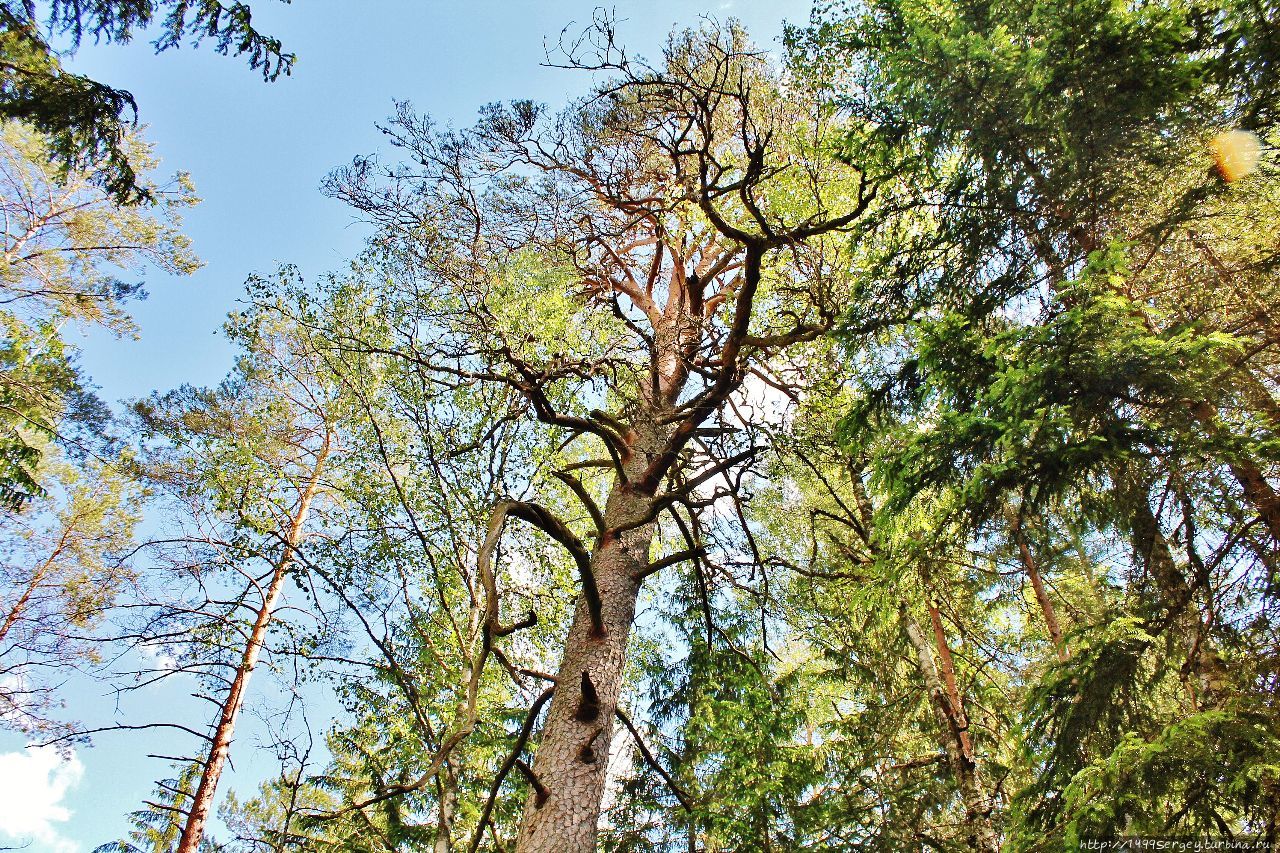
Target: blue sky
x=257 y=153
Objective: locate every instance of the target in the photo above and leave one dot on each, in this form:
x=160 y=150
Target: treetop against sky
x=554 y=429
x=257 y=153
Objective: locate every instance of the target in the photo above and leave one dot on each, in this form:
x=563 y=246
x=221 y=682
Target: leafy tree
x=1068 y=346
x=41 y=383
x=430 y=739
x=876 y=455
x=69 y=497
x=248 y=465
x=688 y=243
x=68 y=253
x=911 y=630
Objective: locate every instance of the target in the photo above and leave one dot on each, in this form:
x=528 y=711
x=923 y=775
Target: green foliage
x=158 y=827
x=38 y=381
x=1061 y=336
x=1007 y=577
x=1045 y=409
x=1185 y=764
x=66 y=248
x=87 y=123
x=69 y=248
x=419 y=468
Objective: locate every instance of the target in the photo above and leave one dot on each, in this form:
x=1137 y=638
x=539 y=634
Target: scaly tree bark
x=684 y=208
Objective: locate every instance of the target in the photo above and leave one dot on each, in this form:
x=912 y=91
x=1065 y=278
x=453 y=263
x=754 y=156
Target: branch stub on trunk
x=589 y=707
x=540 y=792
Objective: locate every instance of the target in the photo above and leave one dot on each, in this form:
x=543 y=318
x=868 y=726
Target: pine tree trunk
x=571 y=761
x=1042 y=595
x=220 y=745
x=20 y=606
x=570 y=765
x=948 y=669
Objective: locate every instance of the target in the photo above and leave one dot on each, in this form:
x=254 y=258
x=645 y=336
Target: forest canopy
x=870 y=444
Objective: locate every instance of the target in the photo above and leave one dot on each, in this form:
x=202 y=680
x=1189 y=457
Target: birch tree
x=430 y=739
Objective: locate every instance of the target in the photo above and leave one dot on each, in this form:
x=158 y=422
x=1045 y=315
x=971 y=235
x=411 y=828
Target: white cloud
x=155 y=655
x=33 y=782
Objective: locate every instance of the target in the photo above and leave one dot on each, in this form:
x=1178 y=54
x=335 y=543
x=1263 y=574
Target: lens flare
x=1236 y=153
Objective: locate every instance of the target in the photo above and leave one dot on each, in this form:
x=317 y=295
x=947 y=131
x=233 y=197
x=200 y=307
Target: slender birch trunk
x=448 y=794
x=953 y=729
x=220 y=745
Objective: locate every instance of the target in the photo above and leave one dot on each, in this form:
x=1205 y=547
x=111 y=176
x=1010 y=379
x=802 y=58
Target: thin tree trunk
x=947 y=667
x=1258 y=397
x=20 y=605
x=448 y=793
x=954 y=737
x=1257 y=491
x=1152 y=546
x=220 y=746
x=1037 y=585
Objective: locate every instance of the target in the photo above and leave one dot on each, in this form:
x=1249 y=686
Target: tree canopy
x=869 y=448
